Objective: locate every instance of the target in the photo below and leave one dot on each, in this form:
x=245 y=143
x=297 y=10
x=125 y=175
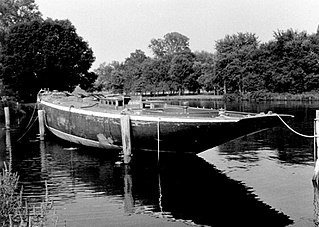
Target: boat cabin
x=133 y=102
x=114 y=101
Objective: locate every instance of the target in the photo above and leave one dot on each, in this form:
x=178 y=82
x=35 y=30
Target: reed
x=14 y=210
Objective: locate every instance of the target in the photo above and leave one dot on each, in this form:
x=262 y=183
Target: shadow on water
x=192 y=189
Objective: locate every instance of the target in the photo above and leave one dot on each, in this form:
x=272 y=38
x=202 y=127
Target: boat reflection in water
x=88 y=188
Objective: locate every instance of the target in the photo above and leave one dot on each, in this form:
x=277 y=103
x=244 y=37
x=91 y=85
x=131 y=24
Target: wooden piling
x=315 y=177
x=41 y=124
x=128 y=195
x=126 y=138
x=17 y=112
x=7 y=117
x=9 y=147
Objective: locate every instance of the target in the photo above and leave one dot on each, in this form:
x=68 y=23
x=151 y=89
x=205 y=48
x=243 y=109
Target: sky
x=116 y=28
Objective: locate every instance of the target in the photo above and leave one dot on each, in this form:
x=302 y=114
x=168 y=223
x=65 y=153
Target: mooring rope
x=294 y=131
x=27 y=129
x=35 y=107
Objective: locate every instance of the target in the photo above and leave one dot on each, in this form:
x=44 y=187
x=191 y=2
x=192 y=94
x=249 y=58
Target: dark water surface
x=258 y=180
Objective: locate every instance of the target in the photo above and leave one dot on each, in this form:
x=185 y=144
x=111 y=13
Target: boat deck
x=153 y=108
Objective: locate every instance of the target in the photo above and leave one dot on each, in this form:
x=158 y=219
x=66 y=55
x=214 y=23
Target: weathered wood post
x=41 y=124
x=8 y=140
x=126 y=138
x=17 y=112
x=9 y=147
x=128 y=195
x=315 y=177
x=7 y=117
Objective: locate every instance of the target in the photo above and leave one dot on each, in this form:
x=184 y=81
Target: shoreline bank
x=312 y=96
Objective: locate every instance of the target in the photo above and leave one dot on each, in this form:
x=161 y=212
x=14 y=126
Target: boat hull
x=178 y=134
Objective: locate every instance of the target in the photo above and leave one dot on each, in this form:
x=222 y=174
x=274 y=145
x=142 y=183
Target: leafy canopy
x=16 y=11
x=172 y=43
x=44 y=54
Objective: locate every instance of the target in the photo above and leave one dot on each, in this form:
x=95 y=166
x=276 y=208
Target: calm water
x=259 y=180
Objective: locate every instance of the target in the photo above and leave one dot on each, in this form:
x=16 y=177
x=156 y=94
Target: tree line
x=45 y=53
x=240 y=64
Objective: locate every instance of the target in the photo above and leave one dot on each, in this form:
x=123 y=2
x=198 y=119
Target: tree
x=205 y=67
x=44 y=54
x=172 y=43
x=291 y=62
x=16 y=11
x=133 y=71
x=154 y=74
x=234 y=60
x=117 y=81
x=103 y=73
x=181 y=70
x=87 y=80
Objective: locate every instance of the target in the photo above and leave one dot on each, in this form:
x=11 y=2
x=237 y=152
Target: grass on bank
x=14 y=210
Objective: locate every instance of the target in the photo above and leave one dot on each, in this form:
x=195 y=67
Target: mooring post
x=315 y=177
x=17 y=112
x=41 y=123
x=126 y=138
x=9 y=147
x=128 y=195
x=7 y=117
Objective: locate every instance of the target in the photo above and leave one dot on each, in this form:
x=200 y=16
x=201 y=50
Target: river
x=258 y=180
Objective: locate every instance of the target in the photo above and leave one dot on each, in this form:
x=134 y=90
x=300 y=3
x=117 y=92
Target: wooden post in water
x=41 y=124
x=126 y=138
x=9 y=147
x=7 y=117
x=315 y=177
x=17 y=112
